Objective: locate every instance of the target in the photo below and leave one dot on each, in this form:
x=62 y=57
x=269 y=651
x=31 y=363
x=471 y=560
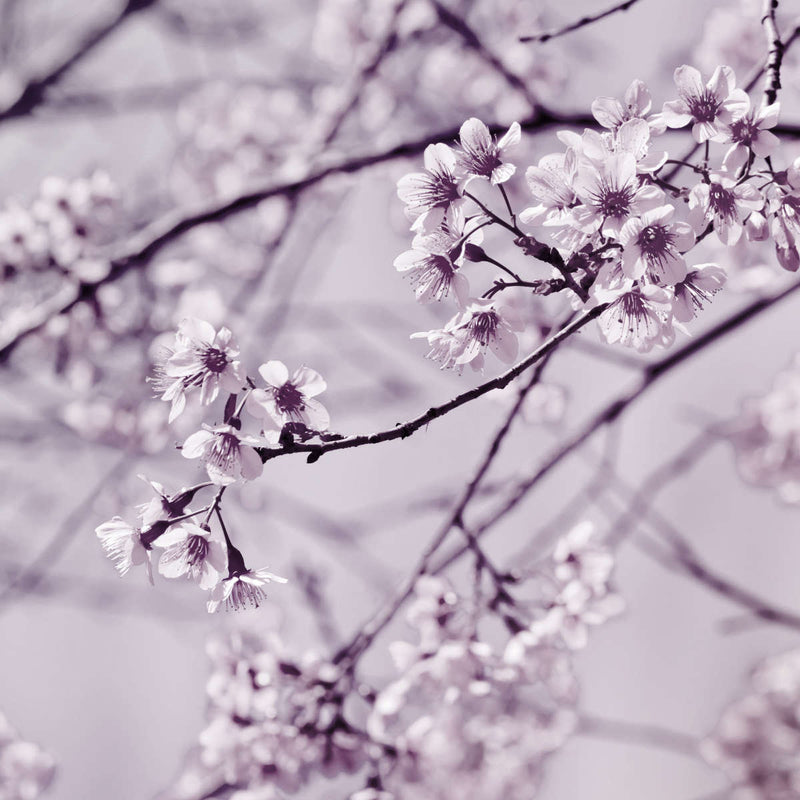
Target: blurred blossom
x=26 y=770
x=766 y=436
x=757 y=740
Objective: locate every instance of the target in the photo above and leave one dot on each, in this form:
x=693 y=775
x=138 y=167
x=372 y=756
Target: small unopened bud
x=472 y=252
x=756 y=227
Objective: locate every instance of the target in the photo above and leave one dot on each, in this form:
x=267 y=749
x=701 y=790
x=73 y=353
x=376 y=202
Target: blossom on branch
x=289 y=400
x=707 y=106
x=228 y=454
x=242 y=589
x=480 y=156
x=203 y=358
x=192 y=550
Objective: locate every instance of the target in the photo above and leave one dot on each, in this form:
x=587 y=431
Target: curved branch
x=33 y=95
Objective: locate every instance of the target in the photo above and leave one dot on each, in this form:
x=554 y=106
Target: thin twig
x=581 y=23
x=35 y=91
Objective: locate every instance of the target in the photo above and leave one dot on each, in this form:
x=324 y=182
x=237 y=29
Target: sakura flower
x=696 y=289
x=638 y=317
x=552 y=183
x=610 y=193
x=654 y=246
x=228 y=455
x=428 y=194
x=203 y=358
x=287 y=399
x=611 y=113
x=481 y=156
x=485 y=324
x=708 y=106
x=193 y=551
x=580 y=556
x=785 y=230
x=433 y=262
x=577 y=607
x=242 y=588
x=123 y=545
x=724 y=203
x=750 y=132
x=632 y=136
x=443 y=346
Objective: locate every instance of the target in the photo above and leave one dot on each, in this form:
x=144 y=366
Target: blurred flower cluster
x=757 y=740
x=766 y=436
x=464 y=713
x=25 y=769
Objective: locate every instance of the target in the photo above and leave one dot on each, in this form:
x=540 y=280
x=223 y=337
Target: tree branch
x=33 y=95
x=581 y=23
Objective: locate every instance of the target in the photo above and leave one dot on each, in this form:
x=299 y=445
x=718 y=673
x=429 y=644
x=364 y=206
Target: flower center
x=195 y=550
x=214 y=360
x=722 y=201
x=655 y=242
x=224 y=452
x=744 y=131
x=704 y=107
x=483 y=326
x=614 y=202
x=244 y=594
x=289 y=399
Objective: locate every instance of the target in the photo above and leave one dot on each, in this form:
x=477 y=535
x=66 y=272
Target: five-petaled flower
x=203 y=358
x=481 y=156
x=241 y=589
x=228 y=455
x=708 y=106
x=192 y=550
x=288 y=399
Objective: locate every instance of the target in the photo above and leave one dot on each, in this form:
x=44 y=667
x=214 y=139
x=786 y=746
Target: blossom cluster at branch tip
x=205 y=361
x=610 y=225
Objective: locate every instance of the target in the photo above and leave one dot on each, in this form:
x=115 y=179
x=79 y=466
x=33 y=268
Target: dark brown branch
x=613 y=409
x=35 y=92
x=581 y=23
x=775 y=57
x=407 y=428
x=145 y=244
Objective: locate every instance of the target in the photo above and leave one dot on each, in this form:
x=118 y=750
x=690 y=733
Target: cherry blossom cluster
x=757 y=740
x=25 y=769
x=766 y=436
x=60 y=229
x=609 y=226
x=205 y=361
x=462 y=715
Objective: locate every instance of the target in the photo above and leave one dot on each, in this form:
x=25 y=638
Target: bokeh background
x=186 y=102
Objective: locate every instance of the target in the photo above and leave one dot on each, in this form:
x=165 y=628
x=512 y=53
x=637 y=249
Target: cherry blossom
x=228 y=455
x=193 y=551
x=725 y=203
x=203 y=358
x=480 y=156
x=638 y=317
x=242 y=589
x=611 y=113
x=707 y=106
x=654 y=246
x=428 y=194
x=698 y=287
x=123 y=544
x=289 y=400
